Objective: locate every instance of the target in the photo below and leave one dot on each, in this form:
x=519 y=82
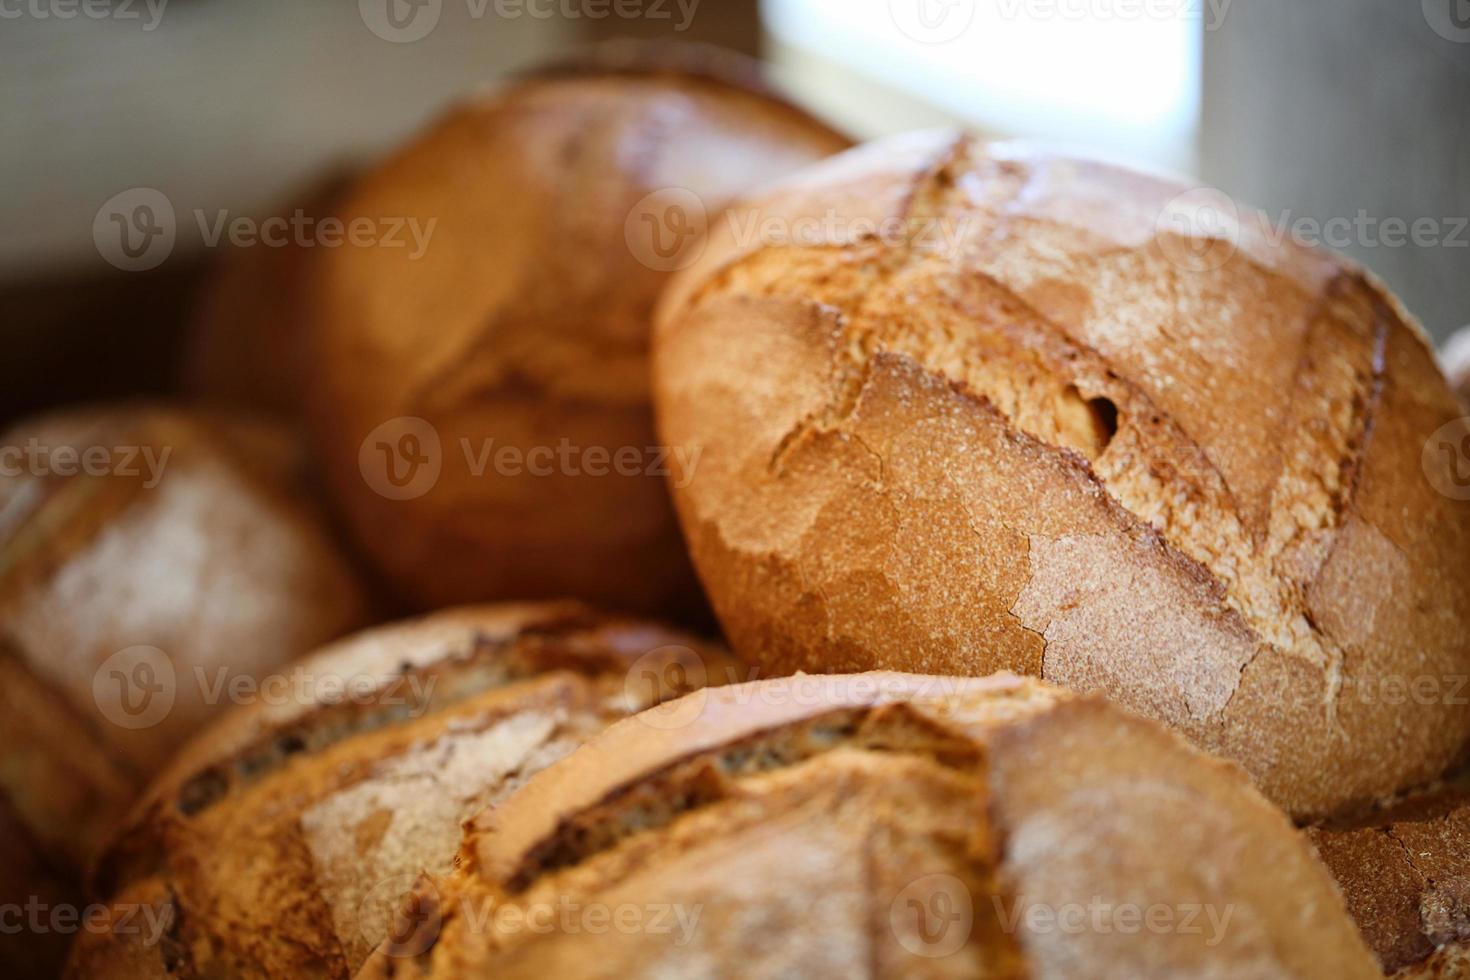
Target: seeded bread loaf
x=881 y=825
x=487 y=395
x=145 y=554
x=1405 y=872
x=1000 y=409
x=279 y=842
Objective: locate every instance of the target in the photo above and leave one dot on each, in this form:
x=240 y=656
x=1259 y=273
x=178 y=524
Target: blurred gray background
x=1355 y=110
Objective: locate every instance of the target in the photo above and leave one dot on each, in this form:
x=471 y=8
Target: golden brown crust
x=995 y=414
x=180 y=536
x=1405 y=872
x=281 y=836
x=249 y=338
x=882 y=825
x=525 y=320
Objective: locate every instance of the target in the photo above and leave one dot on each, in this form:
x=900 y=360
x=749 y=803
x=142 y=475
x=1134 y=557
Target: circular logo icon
x=135 y=230
x=1450 y=19
x=135 y=688
x=1199 y=230
x=401 y=459
x=1446 y=459
x=402 y=913
x=669 y=685
x=400 y=21
x=933 y=916
x=665 y=230
x=932 y=21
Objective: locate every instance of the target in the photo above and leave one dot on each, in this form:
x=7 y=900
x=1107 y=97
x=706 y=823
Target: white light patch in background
x=1116 y=75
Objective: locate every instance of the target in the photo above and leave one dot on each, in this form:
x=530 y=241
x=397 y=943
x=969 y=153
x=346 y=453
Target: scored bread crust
x=1040 y=428
x=811 y=824
x=1405 y=872
x=276 y=843
x=526 y=320
x=207 y=553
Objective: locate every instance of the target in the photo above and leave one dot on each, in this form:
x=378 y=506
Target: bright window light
x=1120 y=75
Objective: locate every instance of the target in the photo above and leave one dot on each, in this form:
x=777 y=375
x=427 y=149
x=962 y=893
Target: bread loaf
x=250 y=331
x=998 y=409
x=1405 y=872
x=487 y=394
x=881 y=825
x=147 y=555
x=280 y=840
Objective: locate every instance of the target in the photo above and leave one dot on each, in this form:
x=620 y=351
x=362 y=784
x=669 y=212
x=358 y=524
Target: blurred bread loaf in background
x=149 y=556
x=517 y=322
x=251 y=325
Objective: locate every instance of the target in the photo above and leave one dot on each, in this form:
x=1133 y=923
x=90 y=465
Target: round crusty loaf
x=279 y=842
x=881 y=825
x=145 y=554
x=1032 y=424
x=1405 y=871
x=518 y=339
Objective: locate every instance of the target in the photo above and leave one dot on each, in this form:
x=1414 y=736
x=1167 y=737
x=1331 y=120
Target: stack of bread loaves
x=968 y=411
x=278 y=842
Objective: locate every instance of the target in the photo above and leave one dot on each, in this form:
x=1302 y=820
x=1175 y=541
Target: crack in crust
x=964 y=327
